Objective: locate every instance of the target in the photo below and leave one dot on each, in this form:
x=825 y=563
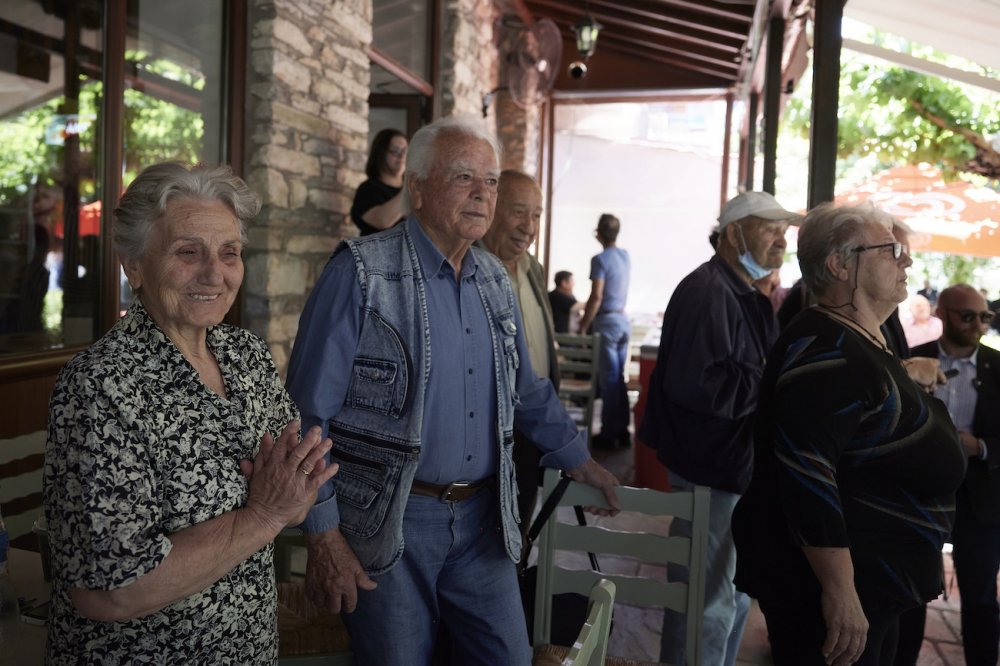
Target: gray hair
x=423 y=146
x=146 y=199
x=829 y=229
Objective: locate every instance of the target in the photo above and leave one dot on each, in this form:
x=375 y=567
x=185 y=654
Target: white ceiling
x=966 y=28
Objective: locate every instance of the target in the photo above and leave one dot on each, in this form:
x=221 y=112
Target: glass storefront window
x=52 y=228
x=50 y=72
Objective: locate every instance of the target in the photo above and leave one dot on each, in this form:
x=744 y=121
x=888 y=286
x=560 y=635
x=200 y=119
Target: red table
x=649 y=471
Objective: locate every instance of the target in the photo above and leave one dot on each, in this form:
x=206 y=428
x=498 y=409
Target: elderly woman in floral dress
x=173 y=456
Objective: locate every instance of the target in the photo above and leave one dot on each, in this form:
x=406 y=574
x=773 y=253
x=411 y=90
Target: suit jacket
x=982 y=480
x=536 y=279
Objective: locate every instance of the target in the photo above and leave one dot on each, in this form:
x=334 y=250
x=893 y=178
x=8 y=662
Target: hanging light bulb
x=586 y=35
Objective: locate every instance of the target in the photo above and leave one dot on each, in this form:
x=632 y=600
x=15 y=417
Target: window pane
x=49 y=208
x=174 y=80
x=399 y=29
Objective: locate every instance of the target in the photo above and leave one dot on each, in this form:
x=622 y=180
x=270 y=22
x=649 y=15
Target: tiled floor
x=636 y=632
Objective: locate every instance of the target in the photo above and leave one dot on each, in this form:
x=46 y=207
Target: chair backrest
x=578 y=357
x=591 y=646
x=22 y=460
x=682 y=597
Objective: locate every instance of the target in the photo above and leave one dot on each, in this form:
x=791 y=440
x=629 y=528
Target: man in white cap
x=717 y=330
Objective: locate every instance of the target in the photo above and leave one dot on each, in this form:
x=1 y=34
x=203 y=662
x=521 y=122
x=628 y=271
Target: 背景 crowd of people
x=421 y=401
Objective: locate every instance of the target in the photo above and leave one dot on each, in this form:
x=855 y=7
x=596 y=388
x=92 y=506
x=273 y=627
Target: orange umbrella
x=955 y=218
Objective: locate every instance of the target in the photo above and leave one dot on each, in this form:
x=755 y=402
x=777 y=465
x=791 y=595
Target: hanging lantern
x=586 y=35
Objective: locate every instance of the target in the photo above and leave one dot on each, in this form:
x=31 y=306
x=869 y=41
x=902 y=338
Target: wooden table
x=26 y=572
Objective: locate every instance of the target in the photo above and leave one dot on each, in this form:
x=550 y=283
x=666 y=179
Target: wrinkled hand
x=333 y=573
x=846 y=626
x=926 y=372
x=593 y=474
x=285 y=475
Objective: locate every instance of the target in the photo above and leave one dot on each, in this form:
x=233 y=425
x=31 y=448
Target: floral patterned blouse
x=139 y=448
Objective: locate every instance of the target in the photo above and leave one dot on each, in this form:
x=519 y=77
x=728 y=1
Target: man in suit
x=973 y=397
x=514 y=229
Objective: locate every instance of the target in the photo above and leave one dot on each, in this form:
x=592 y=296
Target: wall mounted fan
x=531 y=65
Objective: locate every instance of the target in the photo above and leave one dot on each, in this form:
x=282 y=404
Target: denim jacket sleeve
x=319 y=368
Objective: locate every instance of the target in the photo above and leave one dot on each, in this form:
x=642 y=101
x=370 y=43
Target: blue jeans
x=977 y=559
x=454 y=570
x=726 y=608
x=614 y=329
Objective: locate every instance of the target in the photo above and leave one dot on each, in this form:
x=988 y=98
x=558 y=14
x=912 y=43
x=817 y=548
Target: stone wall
x=307 y=135
x=468 y=67
x=517 y=128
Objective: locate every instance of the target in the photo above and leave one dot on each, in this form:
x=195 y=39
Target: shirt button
x=470 y=371
x=468 y=330
x=468 y=458
x=471 y=414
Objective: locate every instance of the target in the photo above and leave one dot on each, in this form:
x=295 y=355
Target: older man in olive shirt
x=515 y=226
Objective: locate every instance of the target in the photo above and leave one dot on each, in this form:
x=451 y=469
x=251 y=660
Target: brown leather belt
x=451 y=492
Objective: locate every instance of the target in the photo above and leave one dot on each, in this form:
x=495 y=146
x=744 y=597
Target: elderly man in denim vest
x=409 y=354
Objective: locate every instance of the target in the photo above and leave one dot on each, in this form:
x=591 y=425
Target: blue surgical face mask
x=749 y=264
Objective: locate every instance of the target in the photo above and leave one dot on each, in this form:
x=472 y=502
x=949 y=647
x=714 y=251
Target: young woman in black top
x=378 y=203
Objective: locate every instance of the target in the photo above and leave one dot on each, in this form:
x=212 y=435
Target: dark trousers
x=797 y=631
x=911 y=636
x=526 y=461
x=977 y=560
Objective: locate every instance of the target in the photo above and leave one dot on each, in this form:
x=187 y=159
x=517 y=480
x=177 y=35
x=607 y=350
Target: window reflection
x=52 y=226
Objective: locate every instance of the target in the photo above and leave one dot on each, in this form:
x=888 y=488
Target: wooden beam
x=645 y=54
x=113 y=156
x=400 y=71
x=825 y=101
x=645 y=28
x=751 y=146
x=724 y=181
x=647 y=11
x=773 y=85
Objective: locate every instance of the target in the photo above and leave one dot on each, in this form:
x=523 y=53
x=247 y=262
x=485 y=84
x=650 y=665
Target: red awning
x=955 y=218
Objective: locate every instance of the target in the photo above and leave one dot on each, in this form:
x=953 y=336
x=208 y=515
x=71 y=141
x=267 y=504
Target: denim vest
x=376 y=434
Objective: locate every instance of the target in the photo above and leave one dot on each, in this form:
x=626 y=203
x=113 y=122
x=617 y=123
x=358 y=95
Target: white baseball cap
x=753 y=204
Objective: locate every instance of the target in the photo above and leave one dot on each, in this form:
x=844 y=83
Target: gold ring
x=307 y=473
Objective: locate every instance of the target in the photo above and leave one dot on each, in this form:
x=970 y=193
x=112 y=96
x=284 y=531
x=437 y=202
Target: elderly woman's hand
x=286 y=474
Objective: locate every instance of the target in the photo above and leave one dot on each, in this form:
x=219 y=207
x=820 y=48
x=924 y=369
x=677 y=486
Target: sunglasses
x=897 y=248
x=968 y=316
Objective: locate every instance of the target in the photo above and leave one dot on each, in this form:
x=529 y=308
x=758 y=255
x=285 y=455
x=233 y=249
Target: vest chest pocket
x=382 y=371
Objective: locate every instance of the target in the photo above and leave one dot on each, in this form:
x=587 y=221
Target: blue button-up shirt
x=458 y=432
x=959 y=395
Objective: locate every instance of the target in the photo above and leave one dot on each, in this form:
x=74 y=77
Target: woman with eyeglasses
x=855 y=464
x=378 y=203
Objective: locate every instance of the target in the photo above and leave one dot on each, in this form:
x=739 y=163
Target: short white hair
x=424 y=146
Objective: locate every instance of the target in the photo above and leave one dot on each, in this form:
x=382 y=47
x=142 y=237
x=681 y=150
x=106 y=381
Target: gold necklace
x=840 y=315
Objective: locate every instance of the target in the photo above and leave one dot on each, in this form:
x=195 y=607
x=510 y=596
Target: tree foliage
x=899 y=116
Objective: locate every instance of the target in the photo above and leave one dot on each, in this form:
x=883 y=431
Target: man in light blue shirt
x=410 y=354
x=609 y=278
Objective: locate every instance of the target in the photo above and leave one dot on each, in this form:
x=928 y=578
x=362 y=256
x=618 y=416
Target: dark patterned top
x=849 y=452
x=140 y=448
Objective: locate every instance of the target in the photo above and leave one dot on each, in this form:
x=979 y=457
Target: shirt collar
x=971 y=358
x=432 y=260
x=739 y=285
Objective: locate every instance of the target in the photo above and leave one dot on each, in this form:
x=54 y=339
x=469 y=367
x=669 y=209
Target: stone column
x=307 y=136
x=468 y=67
